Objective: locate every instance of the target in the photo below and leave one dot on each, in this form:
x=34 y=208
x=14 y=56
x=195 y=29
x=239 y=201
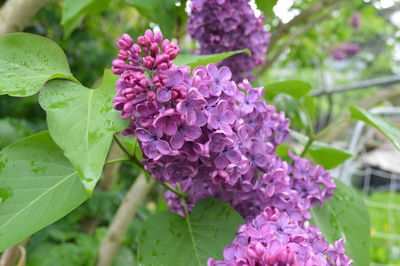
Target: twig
x=8 y=257
x=122 y=219
x=283 y=29
x=384 y=81
x=293 y=37
x=15 y=14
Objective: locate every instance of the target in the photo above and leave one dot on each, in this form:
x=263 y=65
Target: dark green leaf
x=74 y=11
x=162 y=12
x=82 y=121
x=171 y=240
x=202 y=60
x=27 y=61
x=41 y=185
x=327 y=156
x=266 y=7
x=346 y=216
x=387 y=128
x=294 y=88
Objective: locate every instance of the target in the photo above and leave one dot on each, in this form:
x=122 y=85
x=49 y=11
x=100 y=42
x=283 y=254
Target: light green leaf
x=171 y=240
x=42 y=187
x=82 y=121
x=346 y=216
x=74 y=11
x=202 y=60
x=294 y=88
x=387 y=128
x=327 y=156
x=27 y=61
x=266 y=7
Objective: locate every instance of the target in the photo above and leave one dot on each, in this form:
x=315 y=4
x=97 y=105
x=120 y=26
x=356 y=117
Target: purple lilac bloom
x=356 y=20
x=273 y=238
x=221 y=26
x=345 y=51
x=218 y=139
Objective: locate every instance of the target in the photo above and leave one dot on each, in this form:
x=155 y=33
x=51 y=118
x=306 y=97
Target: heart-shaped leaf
x=171 y=240
x=27 y=61
x=346 y=216
x=202 y=60
x=82 y=121
x=38 y=186
x=390 y=130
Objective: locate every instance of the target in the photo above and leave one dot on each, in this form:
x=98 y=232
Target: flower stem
x=330 y=126
x=183 y=201
x=118 y=160
x=308 y=145
x=131 y=157
x=178 y=192
x=121 y=146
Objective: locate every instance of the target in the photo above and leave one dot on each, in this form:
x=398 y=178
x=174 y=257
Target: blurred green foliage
x=385 y=227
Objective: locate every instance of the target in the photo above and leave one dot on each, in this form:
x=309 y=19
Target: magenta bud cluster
x=213 y=137
x=228 y=25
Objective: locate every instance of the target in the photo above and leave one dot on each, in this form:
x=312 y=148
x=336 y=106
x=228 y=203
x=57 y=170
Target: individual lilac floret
x=273 y=238
x=221 y=26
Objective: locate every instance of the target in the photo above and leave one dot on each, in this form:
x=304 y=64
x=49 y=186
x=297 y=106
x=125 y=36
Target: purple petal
x=226 y=128
x=229 y=88
x=192 y=132
x=170 y=128
x=201 y=118
x=163 y=147
x=163 y=95
x=177 y=140
x=215 y=90
x=143 y=135
x=225 y=73
x=175 y=78
x=233 y=156
x=213 y=70
x=221 y=161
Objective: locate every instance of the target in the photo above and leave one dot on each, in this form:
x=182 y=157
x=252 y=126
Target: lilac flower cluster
x=211 y=136
x=273 y=238
x=345 y=51
x=227 y=25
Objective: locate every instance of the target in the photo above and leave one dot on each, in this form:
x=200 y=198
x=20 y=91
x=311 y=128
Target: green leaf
x=295 y=88
x=74 y=11
x=42 y=187
x=202 y=60
x=27 y=61
x=327 y=156
x=387 y=128
x=169 y=239
x=162 y=12
x=346 y=216
x=82 y=121
x=266 y=7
